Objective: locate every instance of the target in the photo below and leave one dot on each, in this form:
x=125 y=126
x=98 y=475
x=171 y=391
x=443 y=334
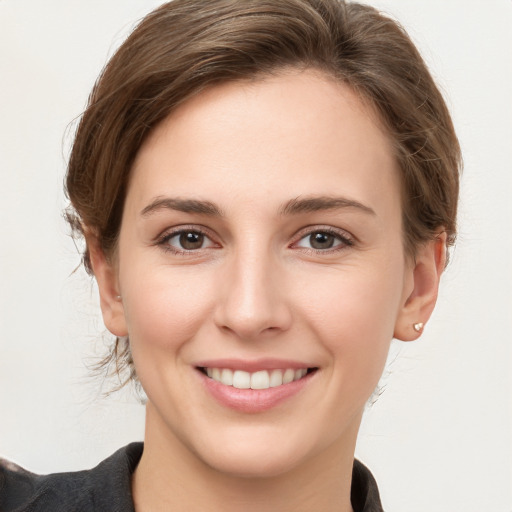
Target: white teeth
x=288 y=376
x=262 y=379
x=276 y=378
x=226 y=377
x=241 y=379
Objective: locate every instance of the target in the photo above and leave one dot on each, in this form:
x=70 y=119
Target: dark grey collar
x=108 y=487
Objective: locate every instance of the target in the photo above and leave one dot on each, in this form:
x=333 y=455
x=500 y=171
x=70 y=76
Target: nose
x=253 y=301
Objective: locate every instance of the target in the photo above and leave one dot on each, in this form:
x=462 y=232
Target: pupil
x=321 y=240
x=191 y=240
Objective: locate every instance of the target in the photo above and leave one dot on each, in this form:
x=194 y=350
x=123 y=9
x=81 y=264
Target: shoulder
x=105 y=487
x=364 y=495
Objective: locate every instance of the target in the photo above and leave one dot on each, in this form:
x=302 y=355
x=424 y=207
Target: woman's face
x=261 y=239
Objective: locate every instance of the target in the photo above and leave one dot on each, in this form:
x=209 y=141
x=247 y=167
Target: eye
x=186 y=240
x=323 y=240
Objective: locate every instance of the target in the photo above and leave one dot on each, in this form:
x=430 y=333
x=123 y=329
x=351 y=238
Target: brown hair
x=185 y=46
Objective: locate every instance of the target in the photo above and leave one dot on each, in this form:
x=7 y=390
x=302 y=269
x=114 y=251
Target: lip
x=254 y=365
x=251 y=401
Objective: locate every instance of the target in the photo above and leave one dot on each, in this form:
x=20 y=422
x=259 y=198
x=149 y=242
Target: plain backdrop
x=440 y=436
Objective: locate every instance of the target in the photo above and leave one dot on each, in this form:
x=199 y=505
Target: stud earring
x=418 y=327
x=118 y=297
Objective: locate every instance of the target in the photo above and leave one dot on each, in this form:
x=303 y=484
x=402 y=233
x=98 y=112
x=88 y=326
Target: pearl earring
x=418 y=327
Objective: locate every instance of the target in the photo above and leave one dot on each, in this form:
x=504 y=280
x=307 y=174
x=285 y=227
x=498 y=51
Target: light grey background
x=438 y=439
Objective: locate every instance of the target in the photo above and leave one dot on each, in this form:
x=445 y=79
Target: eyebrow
x=182 y=205
x=293 y=207
x=320 y=203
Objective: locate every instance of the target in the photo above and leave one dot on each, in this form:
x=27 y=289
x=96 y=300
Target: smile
x=254 y=386
x=262 y=379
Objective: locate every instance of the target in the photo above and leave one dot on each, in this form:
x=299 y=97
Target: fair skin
x=262 y=231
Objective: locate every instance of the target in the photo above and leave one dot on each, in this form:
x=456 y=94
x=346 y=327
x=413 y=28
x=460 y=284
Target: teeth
x=226 y=377
x=276 y=378
x=288 y=376
x=241 y=380
x=262 y=379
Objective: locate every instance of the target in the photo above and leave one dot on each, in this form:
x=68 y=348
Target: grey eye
x=320 y=240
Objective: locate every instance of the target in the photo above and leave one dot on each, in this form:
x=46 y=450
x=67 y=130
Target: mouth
x=258 y=380
x=255 y=386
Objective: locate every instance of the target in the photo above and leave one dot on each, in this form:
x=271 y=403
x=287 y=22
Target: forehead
x=297 y=132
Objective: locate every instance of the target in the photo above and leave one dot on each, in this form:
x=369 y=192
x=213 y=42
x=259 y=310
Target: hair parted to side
x=185 y=46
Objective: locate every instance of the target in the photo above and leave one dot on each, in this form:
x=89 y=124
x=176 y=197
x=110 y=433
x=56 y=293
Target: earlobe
x=421 y=288
x=108 y=285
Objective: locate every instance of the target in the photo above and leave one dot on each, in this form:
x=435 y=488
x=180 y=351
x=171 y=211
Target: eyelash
x=163 y=240
x=343 y=237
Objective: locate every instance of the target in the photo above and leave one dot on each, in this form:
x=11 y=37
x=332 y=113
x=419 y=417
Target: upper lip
x=254 y=365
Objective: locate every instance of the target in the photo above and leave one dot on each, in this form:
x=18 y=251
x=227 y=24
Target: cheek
x=353 y=315
x=164 y=308
x=353 y=302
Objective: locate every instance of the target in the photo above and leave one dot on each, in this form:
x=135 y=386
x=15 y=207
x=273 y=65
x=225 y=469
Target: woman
x=267 y=191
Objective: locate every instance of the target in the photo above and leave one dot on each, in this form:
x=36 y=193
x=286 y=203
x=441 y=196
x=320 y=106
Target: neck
x=171 y=477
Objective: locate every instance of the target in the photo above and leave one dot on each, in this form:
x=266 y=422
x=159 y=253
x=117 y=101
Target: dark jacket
x=106 y=488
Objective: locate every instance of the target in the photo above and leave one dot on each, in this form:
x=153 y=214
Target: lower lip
x=253 y=400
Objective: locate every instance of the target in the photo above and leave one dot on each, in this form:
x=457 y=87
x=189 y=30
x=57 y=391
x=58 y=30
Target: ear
x=108 y=285
x=421 y=288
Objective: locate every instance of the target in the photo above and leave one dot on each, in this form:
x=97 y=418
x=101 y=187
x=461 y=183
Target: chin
x=254 y=464
x=259 y=452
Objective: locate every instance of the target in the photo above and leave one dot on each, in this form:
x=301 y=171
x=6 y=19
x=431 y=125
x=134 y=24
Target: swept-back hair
x=185 y=46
